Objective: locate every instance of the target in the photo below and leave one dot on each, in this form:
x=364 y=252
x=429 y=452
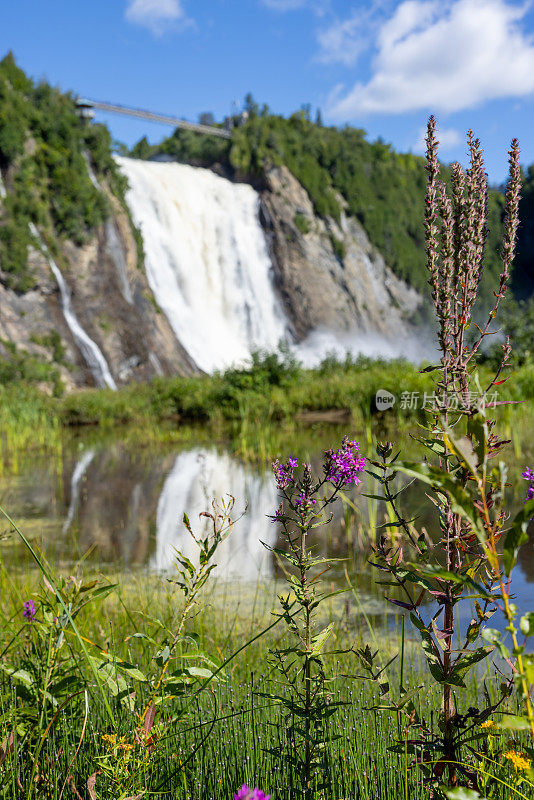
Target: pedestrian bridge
x=86 y=109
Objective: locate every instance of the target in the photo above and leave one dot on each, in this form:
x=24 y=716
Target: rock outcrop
x=112 y=301
x=328 y=274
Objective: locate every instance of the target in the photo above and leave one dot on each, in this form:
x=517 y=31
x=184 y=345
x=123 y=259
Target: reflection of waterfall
x=206 y=260
x=198 y=476
x=89 y=349
x=79 y=471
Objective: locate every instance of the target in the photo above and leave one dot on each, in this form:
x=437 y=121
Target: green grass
x=228 y=734
x=259 y=413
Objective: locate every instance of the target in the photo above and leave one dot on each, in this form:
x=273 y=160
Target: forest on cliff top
x=44 y=143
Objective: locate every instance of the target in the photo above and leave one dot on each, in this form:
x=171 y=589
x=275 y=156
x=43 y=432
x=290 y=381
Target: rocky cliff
x=110 y=298
x=329 y=275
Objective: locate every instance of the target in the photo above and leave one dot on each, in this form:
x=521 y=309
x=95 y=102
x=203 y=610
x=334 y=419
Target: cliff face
x=112 y=301
x=328 y=274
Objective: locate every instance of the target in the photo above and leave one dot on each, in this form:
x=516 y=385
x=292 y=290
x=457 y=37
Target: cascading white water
x=206 y=260
x=196 y=478
x=88 y=348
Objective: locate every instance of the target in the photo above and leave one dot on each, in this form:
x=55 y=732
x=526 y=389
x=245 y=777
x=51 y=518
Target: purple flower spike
x=303 y=502
x=29 y=610
x=283 y=473
x=528 y=475
x=246 y=793
x=278 y=514
x=343 y=465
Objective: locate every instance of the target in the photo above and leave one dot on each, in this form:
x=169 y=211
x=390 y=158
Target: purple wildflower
x=246 y=793
x=303 y=502
x=278 y=514
x=283 y=473
x=29 y=610
x=343 y=465
x=528 y=475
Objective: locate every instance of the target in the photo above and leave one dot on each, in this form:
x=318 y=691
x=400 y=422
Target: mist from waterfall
x=206 y=260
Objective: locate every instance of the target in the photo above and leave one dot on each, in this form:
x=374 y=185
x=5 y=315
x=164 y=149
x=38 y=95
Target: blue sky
x=382 y=66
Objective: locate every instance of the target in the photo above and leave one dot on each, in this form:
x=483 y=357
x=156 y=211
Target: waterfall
x=197 y=477
x=89 y=349
x=206 y=260
x=79 y=471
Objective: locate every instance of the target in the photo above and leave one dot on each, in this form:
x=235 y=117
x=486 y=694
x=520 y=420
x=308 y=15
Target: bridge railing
x=86 y=105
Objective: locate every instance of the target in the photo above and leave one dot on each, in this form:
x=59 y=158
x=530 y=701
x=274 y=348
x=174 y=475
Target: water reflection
x=124 y=505
x=196 y=477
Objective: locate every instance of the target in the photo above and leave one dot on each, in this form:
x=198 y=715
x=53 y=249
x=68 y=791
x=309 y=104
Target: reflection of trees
x=117 y=504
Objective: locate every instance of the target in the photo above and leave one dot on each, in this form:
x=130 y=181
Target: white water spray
x=206 y=260
x=88 y=348
x=196 y=478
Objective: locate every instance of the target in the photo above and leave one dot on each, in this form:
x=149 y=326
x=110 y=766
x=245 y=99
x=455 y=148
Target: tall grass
x=229 y=735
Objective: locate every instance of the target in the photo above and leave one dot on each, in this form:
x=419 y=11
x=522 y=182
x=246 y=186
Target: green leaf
x=102 y=591
x=526 y=623
x=514 y=723
x=319 y=641
x=431 y=571
x=461 y=501
x=517 y=536
x=461 y=793
x=133 y=672
x=528 y=662
x=162 y=656
x=462 y=449
x=477 y=427
x=465 y=662
x=67 y=685
x=199 y=672
x=493 y=636
x=21 y=675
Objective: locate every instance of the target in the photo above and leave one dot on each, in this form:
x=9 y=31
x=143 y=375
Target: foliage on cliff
x=43 y=170
x=384 y=190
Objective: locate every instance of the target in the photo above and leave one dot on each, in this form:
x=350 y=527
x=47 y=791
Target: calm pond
x=121 y=505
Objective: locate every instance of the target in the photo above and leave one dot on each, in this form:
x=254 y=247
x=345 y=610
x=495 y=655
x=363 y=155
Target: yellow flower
x=489 y=723
x=109 y=737
x=519 y=761
x=125 y=746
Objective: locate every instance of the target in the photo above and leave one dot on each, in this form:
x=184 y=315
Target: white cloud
x=157 y=15
x=445 y=55
x=346 y=39
x=447 y=138
x=341 y=42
